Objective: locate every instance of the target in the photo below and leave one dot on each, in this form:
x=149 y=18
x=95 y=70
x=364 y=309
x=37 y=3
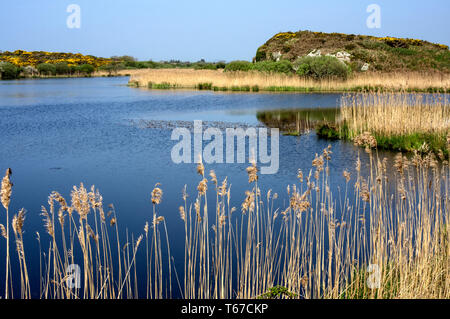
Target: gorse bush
x=322 y=67
x=21 y=58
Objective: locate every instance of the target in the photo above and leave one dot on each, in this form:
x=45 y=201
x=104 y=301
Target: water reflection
x=297 y=121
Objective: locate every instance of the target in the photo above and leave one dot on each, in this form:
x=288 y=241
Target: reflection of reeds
x=297 y=121
x=317 y=246
x=189 y=78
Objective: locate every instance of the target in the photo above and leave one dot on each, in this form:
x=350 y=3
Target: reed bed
x=190 y=79
x=396 y=114
x=398 y=121
x=323 y=244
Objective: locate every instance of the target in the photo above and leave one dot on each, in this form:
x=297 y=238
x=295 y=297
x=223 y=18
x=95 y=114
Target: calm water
x=58 y=133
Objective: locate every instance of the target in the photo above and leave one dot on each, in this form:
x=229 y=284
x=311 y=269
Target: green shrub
x=328 y=131
x=46 y=69
x=260 y=54
x=322 y=67
x=9 y=71
x=221 y=65
x=278 y=292
x=62 y=68
x=111 y=68
x=86 y=69
x=350 y=46
x=204 y=86
x=160 y=86
x=238 y=66
x=205 y=66
x=283 y=66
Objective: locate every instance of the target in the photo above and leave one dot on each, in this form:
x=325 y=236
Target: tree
x=124 y=58
x=62 y=68
x=112 y=67
x=9 y=71
x=86 y=69
x=46 y=69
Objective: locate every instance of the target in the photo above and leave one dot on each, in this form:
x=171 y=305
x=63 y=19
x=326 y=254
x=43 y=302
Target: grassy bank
x=218 y=80
x=324 y=243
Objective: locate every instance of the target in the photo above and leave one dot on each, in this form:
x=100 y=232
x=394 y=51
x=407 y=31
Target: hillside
x=21 y=58
x=376 y=54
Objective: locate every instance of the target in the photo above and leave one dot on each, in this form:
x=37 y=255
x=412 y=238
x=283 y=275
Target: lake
x=56 y=133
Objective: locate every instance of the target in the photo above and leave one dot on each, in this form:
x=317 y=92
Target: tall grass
x=188 y=78
x=396 y=114
x=399 y=121
x=319 y=245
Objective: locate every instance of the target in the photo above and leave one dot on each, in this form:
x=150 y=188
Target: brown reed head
x=6 y=190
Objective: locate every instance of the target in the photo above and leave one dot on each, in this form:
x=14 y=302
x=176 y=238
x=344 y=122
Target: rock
x=276 y=56
x=315 y=53
x=341 y=56
x=365 y=67
x=30 y=70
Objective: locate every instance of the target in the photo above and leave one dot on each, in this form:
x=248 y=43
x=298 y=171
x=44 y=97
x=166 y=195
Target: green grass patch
x=161 y=86
x=291 y=133
x=278 y=292
x=328 y=131
x=414 y=142
x=358 y=288
x=204 y=86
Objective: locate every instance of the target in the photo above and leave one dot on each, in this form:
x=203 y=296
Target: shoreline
x=258 y=82
x=285 y=90
x=254 y=82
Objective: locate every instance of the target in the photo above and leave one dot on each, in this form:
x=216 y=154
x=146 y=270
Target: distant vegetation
x=40 y=63
x=44 y=64
x=130 y=63
x=311 y=55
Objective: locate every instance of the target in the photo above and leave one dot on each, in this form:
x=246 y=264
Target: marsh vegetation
x=255 y=81
x=319 y=245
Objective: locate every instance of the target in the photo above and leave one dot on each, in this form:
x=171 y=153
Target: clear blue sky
x=209 y=29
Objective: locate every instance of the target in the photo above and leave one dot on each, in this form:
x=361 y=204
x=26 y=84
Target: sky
x=205 y=29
